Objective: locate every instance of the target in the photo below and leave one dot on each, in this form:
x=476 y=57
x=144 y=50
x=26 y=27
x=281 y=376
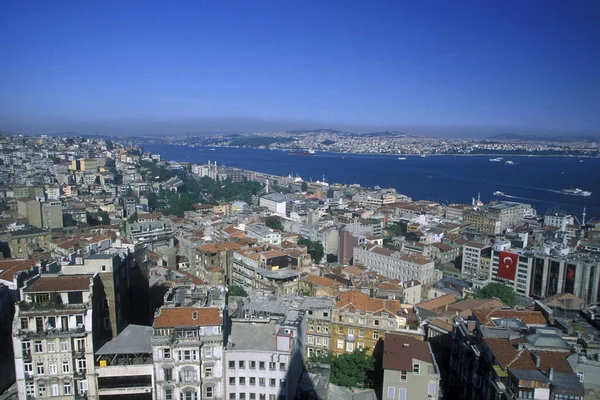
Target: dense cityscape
x=325 y=140
x=128 y=276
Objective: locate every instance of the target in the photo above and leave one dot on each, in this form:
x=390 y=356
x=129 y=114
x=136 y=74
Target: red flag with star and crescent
x=507 y=265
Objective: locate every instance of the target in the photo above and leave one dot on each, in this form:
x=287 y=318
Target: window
x=401 y=393
x=208 y=351
x=51 y=347
x=581 y=376
x=231 y=396
x=232 y=380
x=24 y=323
x=81 y=364
x=67 y=388
x=311 y=339
x=261 y=365
x=65 y=367
x=166 y=353
x=168 y=393
x=391 y=393
x=26 y=347
x=54 y=389
x=376 y=322
x=168 y=373
x=271 y=382
x=252 y=396
x=52 y=369
x=402 y=376
x=416 y=368
x=188 y=375
x=252 y=364
x=261 y=396
x=362 y=322
x=208 y=372
x=242 y=396
x=252 y=381
x=282 y=383
x=261 y=381
x=64 y=345
x=231 y=364
x=80 y=345
x=350 y=347
x=241 y=364
x=272 y=366
x=41 y=390
x=40 y=369
x=325 y=314
x=431 y=389
x=209 y=392
x=375 y=335
x=361 y=345
x=29 y=389
x=351 y=320
x=282 y=366
x=325 y=342
x=341 y=330
x=242 y=380
x=37 y=346
x=351 y=331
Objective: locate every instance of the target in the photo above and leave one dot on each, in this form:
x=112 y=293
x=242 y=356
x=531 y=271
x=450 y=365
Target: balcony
x=27 y=307
x=55 y=332
x=79 y=373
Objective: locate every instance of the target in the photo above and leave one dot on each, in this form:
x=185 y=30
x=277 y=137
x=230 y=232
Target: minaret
x=267 y=187
x=583 y=218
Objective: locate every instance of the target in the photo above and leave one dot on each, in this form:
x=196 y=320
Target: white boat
x=401 y=158
x=508 y=162
x=499 y=193
x=499 y=159
x=577 y=192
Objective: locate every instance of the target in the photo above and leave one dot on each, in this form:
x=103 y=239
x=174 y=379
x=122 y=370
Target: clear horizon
x=461 y=69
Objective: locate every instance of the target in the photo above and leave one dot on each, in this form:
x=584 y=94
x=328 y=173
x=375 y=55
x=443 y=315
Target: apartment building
x=410 y=370
x=53 y=341
x=318 y=330
x=274 y=202
x=359 y=321
x=395 y=265
x=187 y=348
x=260 y=362
x=263 y=234
x=474 y=258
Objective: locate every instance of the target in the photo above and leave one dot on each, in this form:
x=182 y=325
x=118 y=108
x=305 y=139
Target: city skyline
x=434 y=69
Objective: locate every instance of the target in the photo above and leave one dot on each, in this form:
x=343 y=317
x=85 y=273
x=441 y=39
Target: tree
x=315 y=249
x=236 y=290
x=274 y=223
x=304 y=186
x=499 y=290
x=349 y=369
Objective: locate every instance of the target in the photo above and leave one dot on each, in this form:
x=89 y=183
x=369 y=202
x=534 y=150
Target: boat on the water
x=508 y=162
x=499 y=193
x=577 y=192
x=401 y=158
x=302 y=153
x=499 y=159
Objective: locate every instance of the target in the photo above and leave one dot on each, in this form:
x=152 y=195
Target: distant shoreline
x=317 y=152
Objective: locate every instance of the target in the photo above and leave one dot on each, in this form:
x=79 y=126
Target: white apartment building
x=275 y=202
x=54 y=355
x=561 y=221
x=187 y=348
x=258 y=362
x=263 y=234
x=394 y=265
x=475 y=259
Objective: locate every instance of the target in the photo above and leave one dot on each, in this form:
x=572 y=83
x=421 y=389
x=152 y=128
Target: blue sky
x=429 y=67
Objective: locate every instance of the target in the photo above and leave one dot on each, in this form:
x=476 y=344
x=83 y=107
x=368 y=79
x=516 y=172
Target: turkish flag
x=507 y=265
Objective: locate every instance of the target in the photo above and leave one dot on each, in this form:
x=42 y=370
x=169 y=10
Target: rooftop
x=60 y=283
x=253 y=336
x=400 y=350
x=135 y=339
x=188 y=316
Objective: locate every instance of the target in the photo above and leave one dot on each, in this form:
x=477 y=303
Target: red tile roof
x=399 y=351
x=187 y=316
x=9 y=268
x=60 y=283
x=486 y=316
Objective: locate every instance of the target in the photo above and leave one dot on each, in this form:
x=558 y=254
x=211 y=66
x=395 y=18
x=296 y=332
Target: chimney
x=537 y=359
x=551 y=374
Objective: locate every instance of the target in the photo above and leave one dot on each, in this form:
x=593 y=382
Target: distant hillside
x=308 y=131
x=540 y=138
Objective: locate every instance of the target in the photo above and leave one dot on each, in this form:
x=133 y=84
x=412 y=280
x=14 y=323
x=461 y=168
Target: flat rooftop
x=135 y=339
x=253 y=336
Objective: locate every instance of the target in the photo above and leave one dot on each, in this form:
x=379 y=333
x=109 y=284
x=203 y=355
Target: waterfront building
x=274 y=202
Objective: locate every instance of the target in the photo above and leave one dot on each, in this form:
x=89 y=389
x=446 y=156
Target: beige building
x=409 y=369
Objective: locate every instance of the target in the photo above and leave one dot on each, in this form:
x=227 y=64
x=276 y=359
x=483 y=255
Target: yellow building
x=359 y=321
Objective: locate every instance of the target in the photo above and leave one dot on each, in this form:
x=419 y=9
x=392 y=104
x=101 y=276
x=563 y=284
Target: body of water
x=455 y=179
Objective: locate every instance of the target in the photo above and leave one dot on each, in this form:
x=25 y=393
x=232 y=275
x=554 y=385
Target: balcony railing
x=52 y=304
x=51 y=332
